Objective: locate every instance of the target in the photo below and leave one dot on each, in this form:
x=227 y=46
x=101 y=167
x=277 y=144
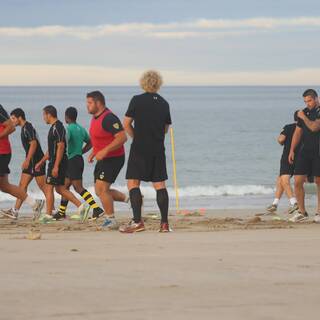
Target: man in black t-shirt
x=147 y=121
x=6 y=128
x=307 y=157
x=57 y=157
x=286 y=170
x=34 y=154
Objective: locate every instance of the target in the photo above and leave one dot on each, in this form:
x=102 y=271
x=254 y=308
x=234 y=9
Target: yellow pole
x=175 y=183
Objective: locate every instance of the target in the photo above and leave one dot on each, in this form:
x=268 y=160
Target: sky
x=95 y=42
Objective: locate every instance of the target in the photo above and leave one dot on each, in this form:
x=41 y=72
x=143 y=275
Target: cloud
x=176 y=30
x=95 y=75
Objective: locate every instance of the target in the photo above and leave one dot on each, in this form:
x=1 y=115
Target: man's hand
x=301 y=115
x=25 y=164
x=101 y=154
x=291 y=157
x=38 y=166
x=55 y=171
x=91 y=157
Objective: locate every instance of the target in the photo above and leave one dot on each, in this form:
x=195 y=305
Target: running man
x=78 y=143
x=57 y=166
x=286 y=169
x=107 y=139
x=34 y=154
x=150 y=114
x=6 y=128
x=306 y=157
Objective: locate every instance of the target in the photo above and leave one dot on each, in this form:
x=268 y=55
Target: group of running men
x=300 y=158
x=146 y=121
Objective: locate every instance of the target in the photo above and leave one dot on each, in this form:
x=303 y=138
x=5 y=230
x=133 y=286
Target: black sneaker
x=97 y=213
x=59 y=216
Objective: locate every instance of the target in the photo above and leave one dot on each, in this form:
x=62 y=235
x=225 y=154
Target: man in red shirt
x=6 y=128
x=107 y=137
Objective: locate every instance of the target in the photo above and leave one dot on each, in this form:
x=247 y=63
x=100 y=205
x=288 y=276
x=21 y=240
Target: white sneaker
x=83 y=211
x=10 y=213
x=293 y=208
x=45 y=218
x=38 y=208
x=316 y=218
x=299 y=217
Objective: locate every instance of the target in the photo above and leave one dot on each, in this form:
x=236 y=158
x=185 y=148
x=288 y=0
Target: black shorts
x=286 y=168
x=4 y=164
x=146 y=168
x=60 y=179
x=32 y=171
x=307 y=164
x=108 y=169
x=75 y=168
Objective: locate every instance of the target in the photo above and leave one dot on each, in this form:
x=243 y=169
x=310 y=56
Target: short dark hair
x=295 y=115
x=71 y=113
x=51 y=110
x=18 y=112
x=310 y=92
x=97 y=96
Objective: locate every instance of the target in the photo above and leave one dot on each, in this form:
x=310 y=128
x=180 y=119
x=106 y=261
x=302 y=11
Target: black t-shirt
x=310 y=140
x=57 y=133
x=151 y=114
x=28 y=134
x=111 y=123
x=287 y=131
x=3 y=114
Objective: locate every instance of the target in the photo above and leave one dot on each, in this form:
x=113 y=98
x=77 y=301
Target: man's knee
x=132 y=184
x=317 y=181
x=285 y=180
x=299 y=181
x=101 y=188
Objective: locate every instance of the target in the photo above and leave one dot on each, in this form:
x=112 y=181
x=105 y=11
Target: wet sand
x=229 y=267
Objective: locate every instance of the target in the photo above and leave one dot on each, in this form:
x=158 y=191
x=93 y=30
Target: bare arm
x=87 y=147
x=59 y=156
x=312 y=125
x=32 y=150
x=8 y=129
x=294 y=143
x=281 y=139
x=127 y=124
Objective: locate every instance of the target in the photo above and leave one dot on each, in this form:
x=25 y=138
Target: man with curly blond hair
x=147 y=121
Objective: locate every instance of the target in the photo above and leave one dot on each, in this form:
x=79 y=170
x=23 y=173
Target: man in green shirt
x=78 y=143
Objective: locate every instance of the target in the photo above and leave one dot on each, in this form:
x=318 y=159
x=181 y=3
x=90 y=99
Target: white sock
x=30 y=201
x=276 y=201
x=293 y=201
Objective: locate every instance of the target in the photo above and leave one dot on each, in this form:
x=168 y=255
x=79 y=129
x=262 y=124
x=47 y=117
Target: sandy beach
x=208 y=268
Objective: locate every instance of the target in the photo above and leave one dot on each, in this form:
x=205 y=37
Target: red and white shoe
x=132 y=227
x=164 y=227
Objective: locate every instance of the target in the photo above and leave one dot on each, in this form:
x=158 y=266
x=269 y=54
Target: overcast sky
x=240 y=42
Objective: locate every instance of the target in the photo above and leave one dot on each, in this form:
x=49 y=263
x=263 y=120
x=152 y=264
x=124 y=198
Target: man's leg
x=25 y=180
x=19 y=193
x=9 y=188
x=135 y=199
x=64 y=202
x=299 y=181
x=162 y=199
x=102 y=189
x=118 y=196
x=285 y=182
x=47 y=191
x=87 y=197
x=317 y=182
x=68 y=195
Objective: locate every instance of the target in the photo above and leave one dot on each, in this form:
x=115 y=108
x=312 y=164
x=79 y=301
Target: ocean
x=225 y=137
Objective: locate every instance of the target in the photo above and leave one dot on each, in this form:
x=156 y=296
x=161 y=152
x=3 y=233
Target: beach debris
x=254 y=220
x=192 y=213
x=74 y=250
x=33 y=235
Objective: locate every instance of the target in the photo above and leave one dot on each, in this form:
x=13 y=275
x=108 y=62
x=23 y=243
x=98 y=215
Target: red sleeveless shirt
x=100 y=138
